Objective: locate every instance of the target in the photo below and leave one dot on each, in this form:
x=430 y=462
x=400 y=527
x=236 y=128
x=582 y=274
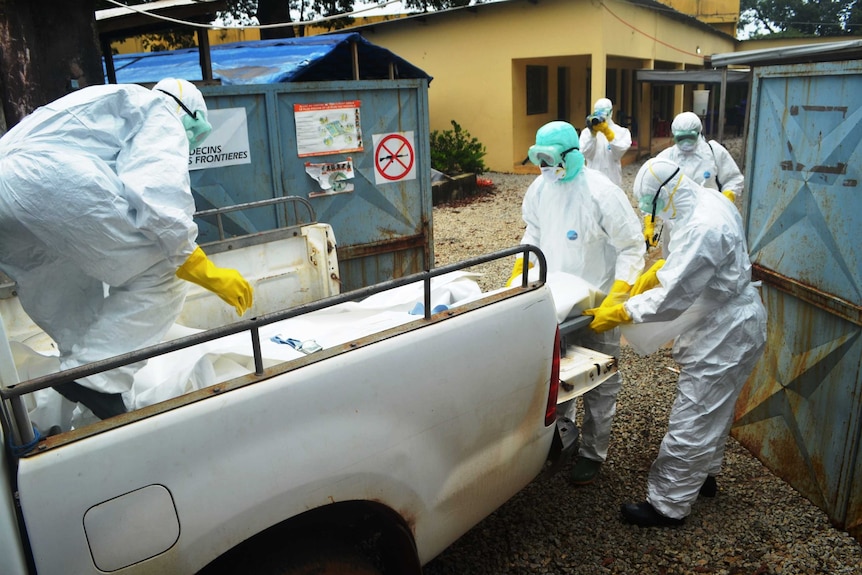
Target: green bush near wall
x=456 y=152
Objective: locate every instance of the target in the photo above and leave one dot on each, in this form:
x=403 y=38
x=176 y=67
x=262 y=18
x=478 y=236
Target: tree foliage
x=797 y=18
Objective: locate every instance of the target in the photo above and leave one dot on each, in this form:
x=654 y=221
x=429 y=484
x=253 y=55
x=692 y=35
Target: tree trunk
x=48 y=48
x=274 y=12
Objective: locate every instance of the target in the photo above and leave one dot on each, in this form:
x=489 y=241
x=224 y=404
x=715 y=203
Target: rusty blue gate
x=801 y=410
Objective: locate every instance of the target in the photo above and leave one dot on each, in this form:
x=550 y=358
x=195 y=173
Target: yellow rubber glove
x=650 y=234
x=517 y=270
x=730 y=195
x=605 y=318
x=648 y=279
x=226 y=283
x=606 y=130
x=618 y=294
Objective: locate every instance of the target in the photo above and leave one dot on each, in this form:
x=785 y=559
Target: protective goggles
x=684 y=135
x=544 y=156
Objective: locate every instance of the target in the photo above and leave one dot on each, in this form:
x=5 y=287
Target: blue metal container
x=801 y=410
x=383 y=227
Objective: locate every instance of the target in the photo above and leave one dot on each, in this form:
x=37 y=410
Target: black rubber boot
x=584 y=471
x=103 y=405
x=644 y=515
x=709 y=487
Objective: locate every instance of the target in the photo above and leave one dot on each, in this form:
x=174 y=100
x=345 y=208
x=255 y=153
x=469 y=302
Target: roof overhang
x=153 y=17
x=691 y=76
x=846 y=50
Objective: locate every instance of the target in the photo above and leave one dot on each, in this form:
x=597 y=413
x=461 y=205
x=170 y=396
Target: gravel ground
x=756 y=525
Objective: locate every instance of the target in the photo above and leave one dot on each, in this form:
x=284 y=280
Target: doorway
x=563 y=93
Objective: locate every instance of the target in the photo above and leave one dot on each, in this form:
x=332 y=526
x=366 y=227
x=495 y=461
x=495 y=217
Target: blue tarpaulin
x=326 y=57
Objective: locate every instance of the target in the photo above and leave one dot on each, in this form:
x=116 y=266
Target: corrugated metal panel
x=383 y=230
x=801 y=410
x=691 y=76
x=844 y=50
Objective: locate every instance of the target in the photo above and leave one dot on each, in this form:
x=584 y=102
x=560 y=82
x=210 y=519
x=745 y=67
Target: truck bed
x=438 y=416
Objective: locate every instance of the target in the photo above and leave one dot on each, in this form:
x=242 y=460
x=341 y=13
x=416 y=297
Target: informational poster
x=327 y=128
x=394 y=157
x=333 y=177
x=227 y=144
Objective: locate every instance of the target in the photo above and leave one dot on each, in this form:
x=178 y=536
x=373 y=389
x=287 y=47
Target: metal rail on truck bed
x=16 y=422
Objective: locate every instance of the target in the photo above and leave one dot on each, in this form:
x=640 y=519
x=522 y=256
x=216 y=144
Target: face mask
x=686 y=139
x=553 y=174
x=687 y=145
x=197 y=129
x=645 y=205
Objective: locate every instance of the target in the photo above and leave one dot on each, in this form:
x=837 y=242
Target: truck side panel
x=11 y=549
x=427 y=422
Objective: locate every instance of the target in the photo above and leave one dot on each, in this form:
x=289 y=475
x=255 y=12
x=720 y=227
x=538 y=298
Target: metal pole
x=258 y=355
x=355 y=50
x=721 y=104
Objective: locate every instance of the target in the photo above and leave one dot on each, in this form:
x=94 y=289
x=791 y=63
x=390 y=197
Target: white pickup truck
x=361 y=432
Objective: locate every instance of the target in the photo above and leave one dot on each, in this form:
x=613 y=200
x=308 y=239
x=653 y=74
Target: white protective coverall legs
x=600 y=403
x=712 y=373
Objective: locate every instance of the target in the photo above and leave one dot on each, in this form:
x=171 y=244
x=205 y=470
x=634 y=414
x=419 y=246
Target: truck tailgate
x=582 y=369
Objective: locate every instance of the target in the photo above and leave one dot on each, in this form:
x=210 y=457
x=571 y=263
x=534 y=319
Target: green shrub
x=455 y=152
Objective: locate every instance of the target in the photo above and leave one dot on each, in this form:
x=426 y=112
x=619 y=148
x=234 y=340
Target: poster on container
x=394 y=157
x=227 y=144
x=333 y=177
x=327 y=128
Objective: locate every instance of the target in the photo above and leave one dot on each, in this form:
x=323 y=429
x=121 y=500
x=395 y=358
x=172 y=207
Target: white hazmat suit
x=96 y=218
x=603 y=148
x=585 y=226
x=708 y=267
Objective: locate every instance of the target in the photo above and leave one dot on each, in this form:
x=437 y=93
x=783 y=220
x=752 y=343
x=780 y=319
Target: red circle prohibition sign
x=394 y=157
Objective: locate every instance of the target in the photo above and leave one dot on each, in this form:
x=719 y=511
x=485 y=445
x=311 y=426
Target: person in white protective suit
x=604 y=142
x=585 y=226
x=708 y=163
x=707 y=269
x=96 y=227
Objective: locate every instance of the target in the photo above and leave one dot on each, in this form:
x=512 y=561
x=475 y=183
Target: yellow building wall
x=478 y=59
x=723 y=14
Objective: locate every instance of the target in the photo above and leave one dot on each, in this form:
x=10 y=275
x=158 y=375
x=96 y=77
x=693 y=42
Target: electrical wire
x=653 y=38
x=137 y=8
